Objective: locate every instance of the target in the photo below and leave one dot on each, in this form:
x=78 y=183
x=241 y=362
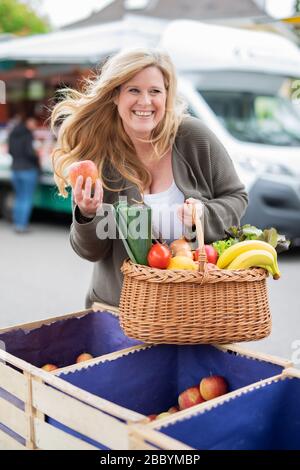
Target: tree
x=297 y=10
x=19 y=18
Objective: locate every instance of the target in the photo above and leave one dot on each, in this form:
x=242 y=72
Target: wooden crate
x=60 y=340
x=137 y=379
x=29 y=396
x=263 y=416
x=41 y=410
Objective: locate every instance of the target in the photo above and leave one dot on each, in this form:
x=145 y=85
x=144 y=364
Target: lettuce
x=222 y=245
x=250 y=232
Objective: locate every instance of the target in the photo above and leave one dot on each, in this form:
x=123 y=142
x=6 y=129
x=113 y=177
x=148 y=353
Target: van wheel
x=7 y=199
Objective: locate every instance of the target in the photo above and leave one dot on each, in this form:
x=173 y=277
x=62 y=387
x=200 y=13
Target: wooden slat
x=12 y=381
x=29 y=413
x=44 y=321
x=101 y=307
x=13 y=418
x=138 y=433
x=78 y=416
x=37 y=413
x=292 y=372
x=10 y=359
x=82 y=395
x=138 y=443
x=9 y=443
x=48 y=437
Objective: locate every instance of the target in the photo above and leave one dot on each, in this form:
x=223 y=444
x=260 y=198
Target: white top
x=164 y=207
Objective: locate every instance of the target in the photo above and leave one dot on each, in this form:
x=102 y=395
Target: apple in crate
x=84 y=168
x=190 y=397
x=163 y=415
x=213 y=386
x=173 y=409
x=49 y=367
x=84 y=357
x=152 y=417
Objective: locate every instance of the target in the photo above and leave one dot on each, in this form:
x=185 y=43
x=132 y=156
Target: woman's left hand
x=185 y=212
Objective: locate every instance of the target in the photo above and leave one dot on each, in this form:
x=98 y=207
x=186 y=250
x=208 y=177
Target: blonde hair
x=90 y=126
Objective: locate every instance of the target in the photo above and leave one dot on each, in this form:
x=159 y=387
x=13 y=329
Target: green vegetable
x=122 y=228
x=135 y=228
x=246 y=232
x=222 y=245
x=250 y=232
x=275 y=239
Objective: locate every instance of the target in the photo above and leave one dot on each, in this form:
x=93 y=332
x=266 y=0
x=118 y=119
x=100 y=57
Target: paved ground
x=42 y=277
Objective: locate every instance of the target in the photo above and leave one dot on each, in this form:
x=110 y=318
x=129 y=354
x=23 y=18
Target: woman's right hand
x=88 y=204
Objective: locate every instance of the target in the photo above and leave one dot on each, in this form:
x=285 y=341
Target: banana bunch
x=248 y=253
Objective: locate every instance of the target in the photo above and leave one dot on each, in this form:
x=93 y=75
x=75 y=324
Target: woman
x=131 y=123
x=25 y=170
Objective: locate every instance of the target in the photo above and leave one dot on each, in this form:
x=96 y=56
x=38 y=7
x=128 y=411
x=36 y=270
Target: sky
x=63 y=12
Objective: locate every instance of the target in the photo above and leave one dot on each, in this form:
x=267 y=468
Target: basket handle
x=200 y=238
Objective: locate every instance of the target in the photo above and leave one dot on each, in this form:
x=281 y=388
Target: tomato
x=211 y=254
x=159 y=256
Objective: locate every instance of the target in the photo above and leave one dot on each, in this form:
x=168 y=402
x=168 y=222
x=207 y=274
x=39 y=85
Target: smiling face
x=142 y=102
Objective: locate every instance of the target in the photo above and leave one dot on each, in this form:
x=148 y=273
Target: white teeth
x=143 y=113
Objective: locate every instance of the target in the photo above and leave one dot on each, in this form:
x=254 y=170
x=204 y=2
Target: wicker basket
x=190 y=307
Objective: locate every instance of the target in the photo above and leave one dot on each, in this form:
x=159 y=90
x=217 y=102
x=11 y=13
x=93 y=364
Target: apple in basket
x=83 y=357
x=211 y=254
x=84 y=168
x=49 y=367
x=213 y=386
x=190 y=397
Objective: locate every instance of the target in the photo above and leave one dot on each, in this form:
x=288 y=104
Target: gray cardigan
x=202 y=169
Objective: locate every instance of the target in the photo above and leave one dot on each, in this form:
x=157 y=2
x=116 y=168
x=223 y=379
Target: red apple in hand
x=213 y=386
x=211 y=254
x=85 y=168
x=84 y=357
x=49 y=367
x=190 y=397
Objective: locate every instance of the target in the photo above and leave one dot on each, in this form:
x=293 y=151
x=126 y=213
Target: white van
x=238 y=83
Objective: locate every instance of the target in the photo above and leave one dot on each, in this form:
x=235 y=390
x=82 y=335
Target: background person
x=131 y=123
x=25 y=171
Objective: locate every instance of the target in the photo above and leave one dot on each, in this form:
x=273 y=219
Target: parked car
x=238 y=83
